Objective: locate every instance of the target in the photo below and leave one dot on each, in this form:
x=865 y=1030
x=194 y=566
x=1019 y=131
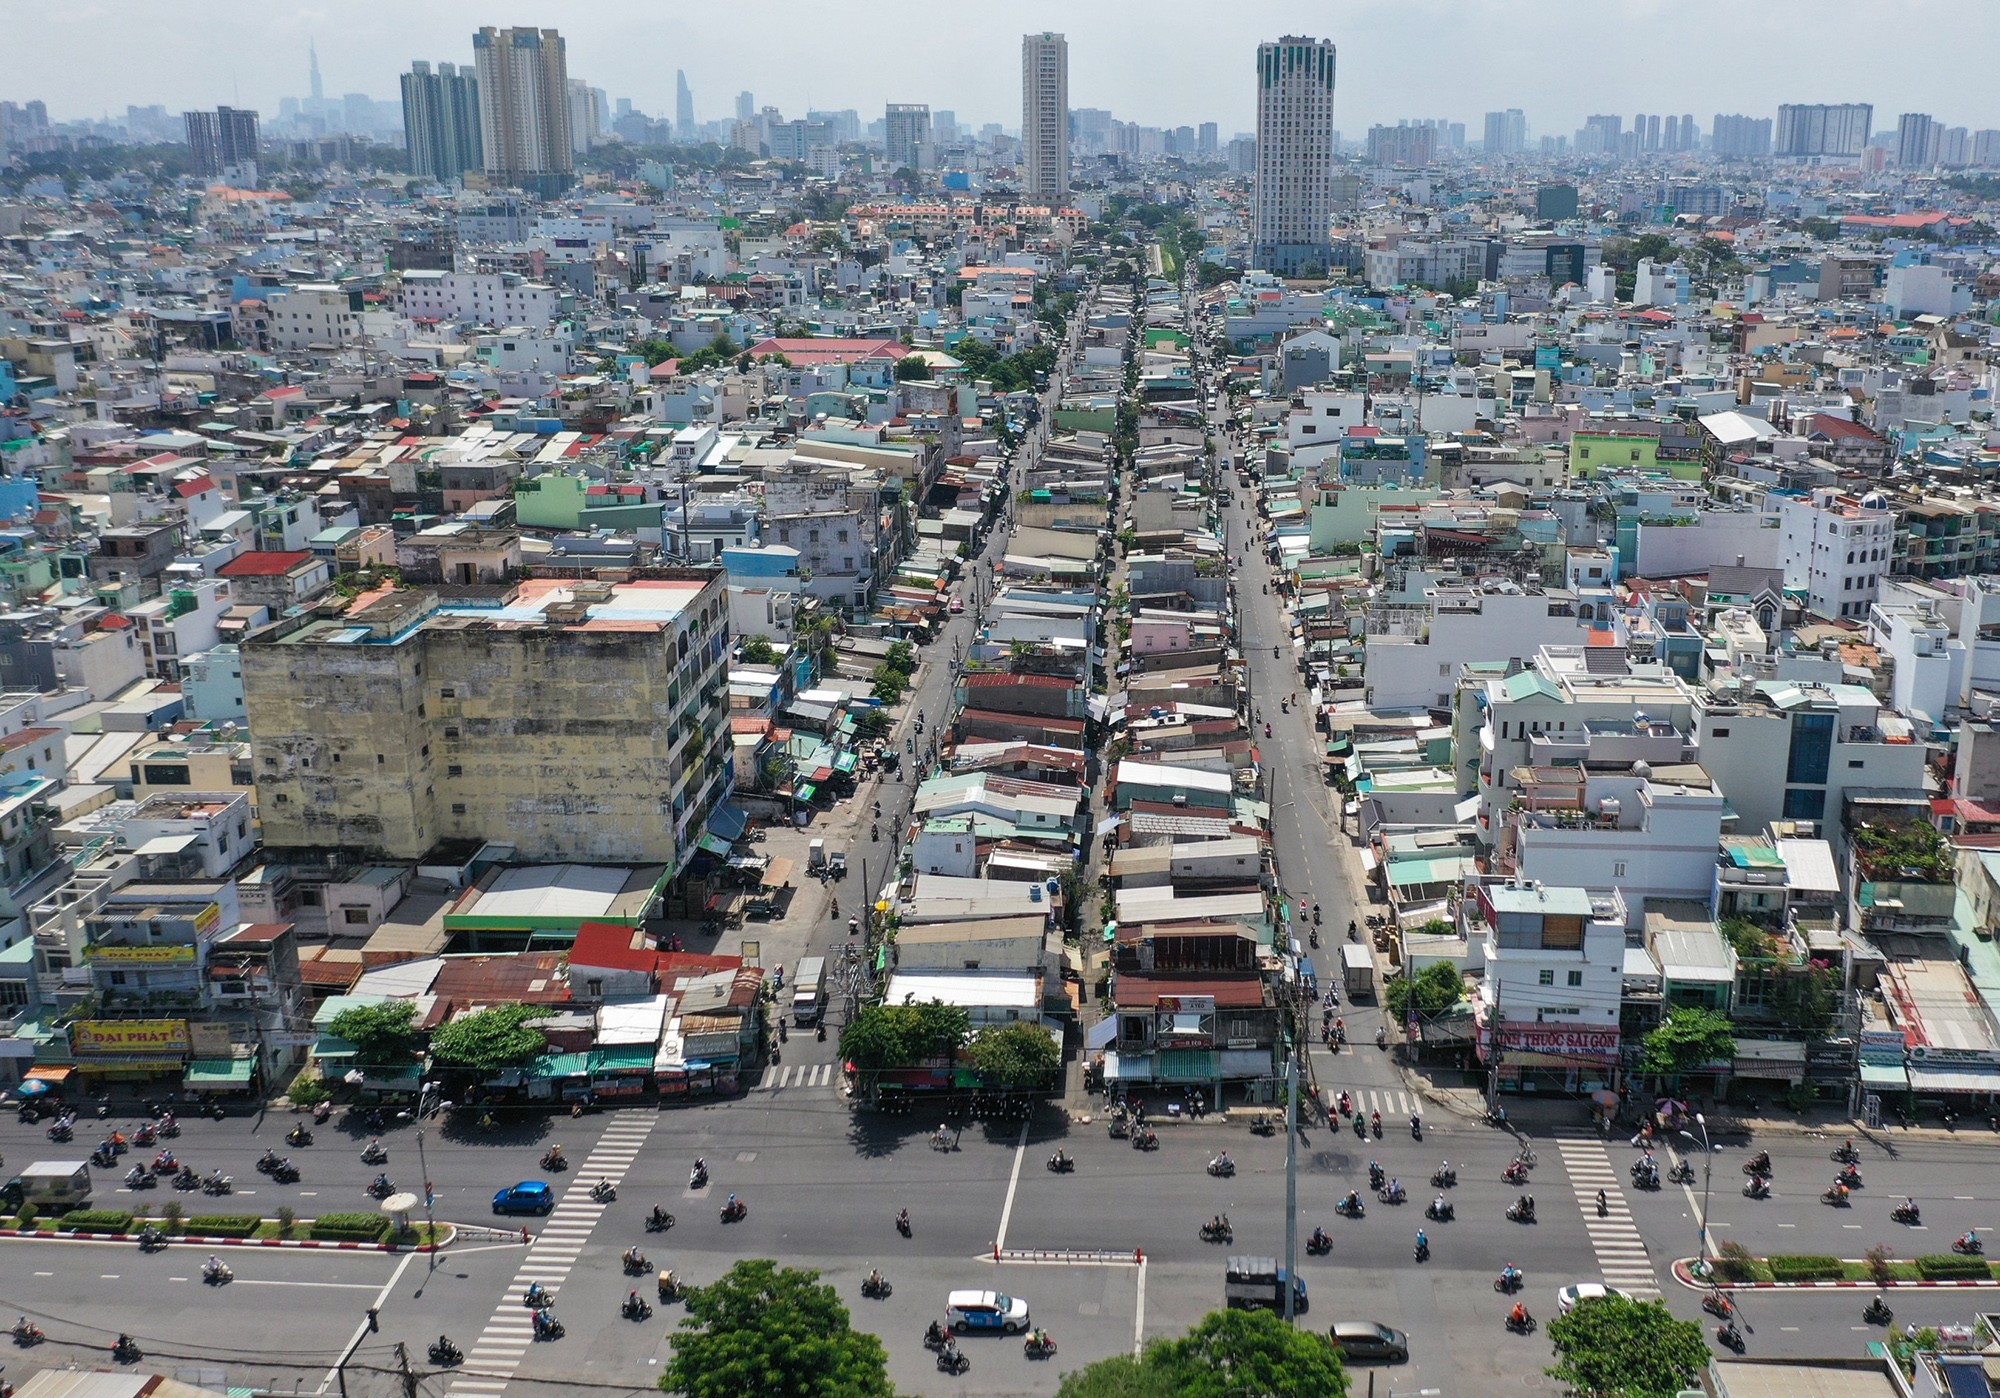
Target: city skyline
x=1175 y=69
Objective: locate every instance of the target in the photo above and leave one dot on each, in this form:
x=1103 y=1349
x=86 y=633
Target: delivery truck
x=52 y=1186
x=809 y=991
x=1253 y=1282
x=1357 y=971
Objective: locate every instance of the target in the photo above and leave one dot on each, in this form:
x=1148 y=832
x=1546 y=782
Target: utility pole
x=1291 y=1179
x=430 y=1207
x=403 y=1362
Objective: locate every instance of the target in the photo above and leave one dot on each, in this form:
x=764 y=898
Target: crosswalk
x=1387 y=1101
x=779 y=1077
x=1621 y=1251
x=493 y=1357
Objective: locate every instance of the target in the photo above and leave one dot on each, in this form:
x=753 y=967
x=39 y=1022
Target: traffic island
x=351 y=1232
x=1806 y=1272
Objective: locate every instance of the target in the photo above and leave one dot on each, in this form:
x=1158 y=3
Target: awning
x=714 y=845
x=1465 y=810
x=219 y=1072
x=1246 y=1063
x=1121 y=1068
x=50 y=1073
x=1109 y=824
x=845 y=762
x=1101 y=1033
x=329 y=1046
x=1884 y=1075
x=726 y=822
x=806 y=791
x=1953 y=1080
x=166 y=844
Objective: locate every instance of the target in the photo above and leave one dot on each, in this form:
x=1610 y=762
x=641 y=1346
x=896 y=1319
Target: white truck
x=809 y=991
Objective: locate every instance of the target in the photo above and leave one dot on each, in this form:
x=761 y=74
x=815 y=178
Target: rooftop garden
x=1909 y=851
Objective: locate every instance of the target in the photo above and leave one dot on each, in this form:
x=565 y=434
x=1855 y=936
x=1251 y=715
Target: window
x=1804 y=803
x=1856 y=761
x=1545 y=977
x=458 y=808
x=452 y=769
x=1718 y=732
x=354 y=917
x=451 y=730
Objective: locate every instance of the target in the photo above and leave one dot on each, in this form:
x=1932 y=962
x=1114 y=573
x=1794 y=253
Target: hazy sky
x=1163 y=62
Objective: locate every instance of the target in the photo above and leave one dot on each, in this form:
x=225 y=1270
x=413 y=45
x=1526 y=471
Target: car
x=986 y=1310
x=1573 y=1295
x=957 y=604
x=527 y=1197
x=1362 y=1340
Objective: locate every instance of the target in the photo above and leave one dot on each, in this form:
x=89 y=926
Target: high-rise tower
x=1045 y=117
x=524 y=108
x=1292 y=210
x=441 y=121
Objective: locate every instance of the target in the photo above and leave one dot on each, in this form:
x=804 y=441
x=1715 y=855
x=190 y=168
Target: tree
x=1230 y=1354
x=384 y=1036
x=1015 y=1055
x=897 y=1036
x=758 y=650
x=888 y=684
x=490 y=1040
x=1432 y=991
x=1612 y=1347
x=1687 y=1039
x=912 y=366
x=773 y=1330
x=901 y=657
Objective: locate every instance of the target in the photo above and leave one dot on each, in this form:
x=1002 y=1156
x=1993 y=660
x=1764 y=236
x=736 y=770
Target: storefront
x=221 y=1076
x=128 y=1053
x=623 y=1070
x=1565 y=1058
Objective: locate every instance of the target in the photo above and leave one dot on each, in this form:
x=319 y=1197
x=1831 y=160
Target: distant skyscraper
x=585 y=126
x=1403 y=145
x=224 y=137
x=524 y=127
x=683 y=106
x=906 y=135
x=1821 y=131
x=1653 y=132
x=1205 y=140
x=1292 y=207
x=1917 y=141
x=1690 y=137
x=1506 y=132
x=312 y=76
x=1600 y=135
x=441 y=121
x=1741 y=135
x=1045 y=117
x=746 y=107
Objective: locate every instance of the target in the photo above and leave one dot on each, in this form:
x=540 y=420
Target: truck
x=53 y=1186
x=809 y=991
x=1357 y=971
x=1260 y=1281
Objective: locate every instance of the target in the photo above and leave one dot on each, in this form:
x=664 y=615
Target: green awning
x=846 y=762
x=807 y=791
x=715 y=846
x=618 y=1057
x=331 y=1046
x=560 y=1065
x=218 y=1072
x=1884 y=1075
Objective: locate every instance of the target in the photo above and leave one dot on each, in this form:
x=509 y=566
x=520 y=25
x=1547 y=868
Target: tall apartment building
x=224 y=137
x=1044 y=118
x=906 y=135
x=1601 y=135
x=1506 y=132
x=1835 y=549
x=1205 y=140
x=1823 y=132
x=585 y=130
x=581 y=721
x=1741 y=135
x=524 y=127
x=441 y=121
x=1917 y=140
x=1402 y=145
x=1292 y=207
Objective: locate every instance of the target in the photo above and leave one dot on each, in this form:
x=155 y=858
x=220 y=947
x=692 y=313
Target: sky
x=1160 y=62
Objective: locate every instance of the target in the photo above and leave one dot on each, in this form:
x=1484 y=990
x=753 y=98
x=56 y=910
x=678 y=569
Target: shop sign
x=94 y=1036
x=141 y=956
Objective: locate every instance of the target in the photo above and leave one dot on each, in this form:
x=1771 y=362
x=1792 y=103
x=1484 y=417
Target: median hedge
x=221 y=1225
x=349 y=1228
x=95 y=1221
x=1805 y=1267
x=1949 y=1266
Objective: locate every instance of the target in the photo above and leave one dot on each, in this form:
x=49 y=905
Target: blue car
x=527 y=1197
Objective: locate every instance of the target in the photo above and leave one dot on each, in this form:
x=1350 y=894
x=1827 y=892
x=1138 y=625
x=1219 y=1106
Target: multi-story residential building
x=314 y=314
x=221 y=139
x=1292 y=204
x=484 y=298
x=836 y=523
x=1506 y=132
x=441 y=121
x=577 y=721
x=1417 y=649
x=1917 y=139
x=1835 y=548
x=1548 y=1005
x=1741 y=135
x=1402 y=145
x=1045 y=118
x=524 y=129
x=906 y=136
x=182 y=622
x=1822 y=133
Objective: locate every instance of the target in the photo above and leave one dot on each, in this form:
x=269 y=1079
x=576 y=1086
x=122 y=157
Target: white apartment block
x=1416 y=652
x=1836 y=548
x=482 y=298
x=1292 y=207
x=1044 y=118
x=314 y=313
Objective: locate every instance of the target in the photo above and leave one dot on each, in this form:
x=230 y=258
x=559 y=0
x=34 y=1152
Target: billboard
x=207 y=920
x=88 y=1036
x=141 y=956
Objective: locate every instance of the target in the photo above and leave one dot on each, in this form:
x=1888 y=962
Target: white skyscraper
x=906 y=130
x=1293 y=205
x=1045 y=117
x=524 y=108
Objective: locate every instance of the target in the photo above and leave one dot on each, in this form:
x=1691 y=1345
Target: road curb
x=52 y=1235
x=1683 y=1270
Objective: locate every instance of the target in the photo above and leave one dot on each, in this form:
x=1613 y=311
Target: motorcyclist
x=1970 y=1242
x=634 y=1257
x=1423 y=1243
x=1840 y=1190
x=1395 y=1188
x=1375 y=1122
x=1061 y=1158
x=1519 y=1315
x=874 y=1278
x=659 y=1215
x=632 y=1303
x=1603 y=1201
x=934 y=1334
x=1319 y=1238
x=1222 y=1161
x=1510 y=1274
x=1353 y=1201
x=1525 y=1206
x=903 y=1219
x=534 y=1295
x=445 y=1346
x=555 y=1152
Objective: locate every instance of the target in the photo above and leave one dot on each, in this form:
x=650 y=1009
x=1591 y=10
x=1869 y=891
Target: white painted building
x=1836 y=548
x=1554 y=981
x=1292 y=204
x=483 y=298
x=1649 y=834
x=1415 y=654
x=314 y=313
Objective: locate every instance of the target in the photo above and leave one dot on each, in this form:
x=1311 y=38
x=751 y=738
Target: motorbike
x=1968 y=1246
x=1683 y=1173
x=445 y=1354
x=1509 y=1281
x=1440 y=1210
x=217 y=1273
x=61 y=1133
x=636 y=1308
x=1833 y=1197
x=1422 y=1252
x=139 y=1177
x=1760 y=1164
x=1061 y=1164
x=27 y=1333
x=1517 y=1173
x=1416 y=1128
x=874 y=833
x=875 y=1288
x=298 y=1136
x=554 y=1160
x=1877 y=1312
x=659 y=1221
x=1906 y=1213
x=903 y=1223
x=732 y=1213
x=1603 y=1204
x=1757 y=1189
x=1716 y=1304
x=1444 y=1179
x=1360 y=1127
x=144 y=1136
x=103 y=1158
x=1850 y=1177
x=151 y=1239
x=535 y=1298
x=547 y=1327
x=124 y=1351
x=285 y=1173
x=1217 y=1233
x=267 y=1162
x=1391 y=1196
x=1845 y=1154
x=603 y=1192
x=373 y=1154
x=164 y=1163
x=1729 y=1337
x=381 y=1187
x=1521 y=1213
x=636 y=1263
x=1376 y=1174
x=1319 y=1244
x=1222 y=1167
x=1144 y=1139
x=1038 y=1347
x=950 y=1361
x=1349 y=1207
x=1523 y=1325
x=218 y=1184
x=322 y=1113
x=669 y=1287
x=935 y=1336
x=187 y=1179
x=1648 y=1179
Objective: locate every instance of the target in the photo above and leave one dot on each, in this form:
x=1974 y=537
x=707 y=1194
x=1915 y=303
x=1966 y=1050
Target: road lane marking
x=336 y=1286
x=1788 y=1225
x=1013 y=1183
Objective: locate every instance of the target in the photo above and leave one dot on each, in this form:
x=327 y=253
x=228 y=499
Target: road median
x=1877 y=1272
x=235 y=1231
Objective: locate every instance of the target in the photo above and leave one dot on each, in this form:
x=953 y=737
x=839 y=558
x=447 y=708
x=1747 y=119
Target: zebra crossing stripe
x=1622 y=1257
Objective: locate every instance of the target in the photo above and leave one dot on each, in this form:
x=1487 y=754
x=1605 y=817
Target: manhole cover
x=744 y=1157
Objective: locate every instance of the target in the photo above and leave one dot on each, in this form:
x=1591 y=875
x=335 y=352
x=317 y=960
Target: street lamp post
x=1707 y=1178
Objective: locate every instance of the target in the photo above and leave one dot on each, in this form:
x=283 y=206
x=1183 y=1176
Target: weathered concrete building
x=574 y=721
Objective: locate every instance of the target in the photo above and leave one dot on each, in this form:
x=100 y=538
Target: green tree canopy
x=1612 y=1347
x=897 y=1036
x=777 y=1332
x=912 y=366
x=1015 y=1055
x=490 y=1040
x=1688 y=1038
x=384 y=1035
x=1432 y=991
x=1230 y=1354
x=758 y=650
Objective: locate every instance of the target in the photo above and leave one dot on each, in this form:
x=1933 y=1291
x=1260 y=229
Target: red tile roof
x=264 y=564
x=1835 y=426
x=815 y=350
x=612 y=946
x=197 y=486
